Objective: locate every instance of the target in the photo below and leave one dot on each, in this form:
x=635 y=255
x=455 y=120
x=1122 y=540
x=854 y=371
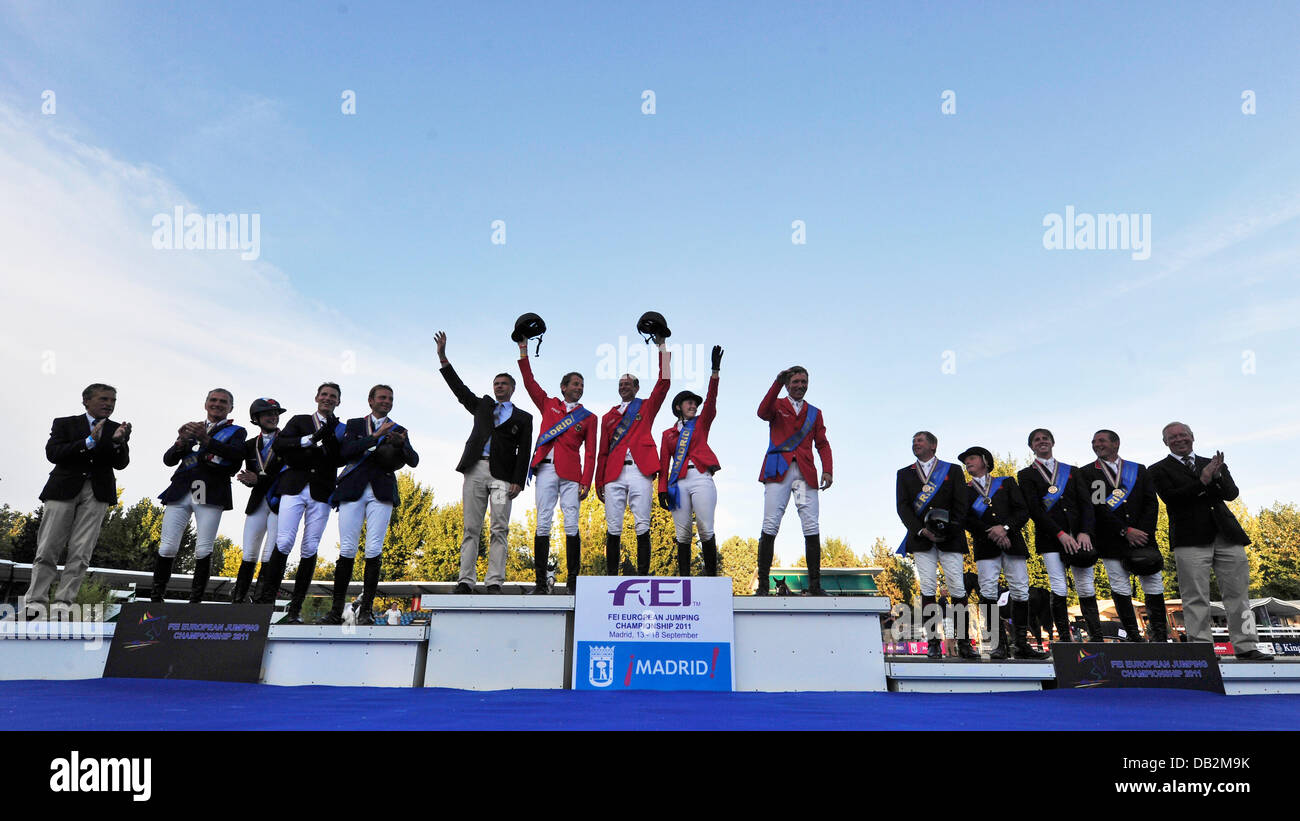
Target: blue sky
x=924 y=230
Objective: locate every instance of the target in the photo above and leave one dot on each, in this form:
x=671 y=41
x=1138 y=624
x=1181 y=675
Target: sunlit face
x=1105 y=447
x=797 y=386
x=503 y=388
x=217 y=405
x=381 y=403
x=572 y=390
x=100 y=405
x=1179 y=440
x=922 y=448
x=269 y=421
x=689 y=407
x=1042 y=445
x=627 y=387
x=327 y=399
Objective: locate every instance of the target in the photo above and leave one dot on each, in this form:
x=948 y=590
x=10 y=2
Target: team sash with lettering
x=629 y=416
x=773 y=465
x=923 y=499
x=982 y=503
x=679 y=457
x=569 y=419
x=1128 y=474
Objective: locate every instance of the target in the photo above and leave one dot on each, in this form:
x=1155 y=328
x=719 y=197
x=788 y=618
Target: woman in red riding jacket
x=686 y=468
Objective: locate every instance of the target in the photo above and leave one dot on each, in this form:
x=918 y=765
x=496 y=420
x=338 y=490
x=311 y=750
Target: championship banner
x=653 y=634
x=192 y=641
x=1180 y=665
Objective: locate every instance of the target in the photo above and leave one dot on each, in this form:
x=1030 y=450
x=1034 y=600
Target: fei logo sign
x=653 y=634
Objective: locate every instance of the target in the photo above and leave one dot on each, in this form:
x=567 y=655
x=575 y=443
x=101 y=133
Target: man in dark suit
x=374 y=447
x=1063 y=527
x=1204 y=534
x=206 y=454
x=1124 y=503
x=309 y=446
x=996 y=515
x=932 y=504
x=495 y=464
x=85 y=450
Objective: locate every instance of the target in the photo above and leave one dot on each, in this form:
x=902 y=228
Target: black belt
x=545 y=461
x=483 y=458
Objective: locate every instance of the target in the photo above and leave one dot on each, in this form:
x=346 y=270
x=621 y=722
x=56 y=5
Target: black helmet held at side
x=263 y=405
x=682 y=397
x=652 y=323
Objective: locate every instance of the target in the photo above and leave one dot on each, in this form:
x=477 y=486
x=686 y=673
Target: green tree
x=738 y=559
x=1276 y=543
x=898 y=578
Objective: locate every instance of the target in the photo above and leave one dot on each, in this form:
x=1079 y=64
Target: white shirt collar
x=797 y=404
x=622 y=406
x=928 y=467
x=1114 y=466
x=568 y=406
x=1049 y=463
x=1183 y=458
x=377 y=420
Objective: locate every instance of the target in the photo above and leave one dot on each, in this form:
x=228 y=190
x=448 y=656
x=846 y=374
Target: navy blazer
x=1141 y=510
x=1197 y=512
x=74 y=463
x=315 y=465
x=510 y=444
x=267 y=478
x=951 y=496
x=209 y=479
x=1008 y=508
x=1071 y=513
x=358 y=444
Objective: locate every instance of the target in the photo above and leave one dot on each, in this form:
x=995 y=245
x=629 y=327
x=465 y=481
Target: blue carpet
x=147 y=704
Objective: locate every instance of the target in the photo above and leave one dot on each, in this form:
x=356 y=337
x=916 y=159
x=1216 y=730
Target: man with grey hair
x=1204 y=535
x=85 y=450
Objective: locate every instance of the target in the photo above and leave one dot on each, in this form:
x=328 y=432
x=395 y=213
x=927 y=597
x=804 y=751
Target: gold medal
x=1118 y=493
x=1052 y=489
x=927 y=488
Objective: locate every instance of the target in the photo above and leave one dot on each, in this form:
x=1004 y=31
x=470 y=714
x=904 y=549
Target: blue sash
x=980 y=505
x=1062 y=478
x=570 y=419
x=273 y=492
x=629 y=416
x=773 y=465
x=923 y=499
x=266 y=450
x=1127 y=479
x=222 y=435
x=679 y=457
x=354 y=465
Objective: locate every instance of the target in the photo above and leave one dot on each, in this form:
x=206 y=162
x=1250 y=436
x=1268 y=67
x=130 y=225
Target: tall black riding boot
x=369 y=584
x=643 y=554
x=199 y=585
x=766 y=547
x=268 y=580
x=1061 y=617
x=301 y=581
x=995 y=626
x=613 y=553
x=573 y=560
x=342 y=578
x=1088 y=607
x=541 y=560
x=933 y=645
x=961 y=628
x=1020 y=627
x=1158 y=618
x=709 y=552
x=243 y=581
x=1128 y=618
x=162 y=571
x=812 y=554
x=683 y=559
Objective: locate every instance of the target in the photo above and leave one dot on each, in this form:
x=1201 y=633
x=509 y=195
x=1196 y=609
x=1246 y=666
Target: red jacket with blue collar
x=779 y=413
x=563 y=449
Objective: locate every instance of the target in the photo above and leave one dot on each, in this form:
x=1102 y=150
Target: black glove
x=663 y=500
x=717 y=357
x=326 y=429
